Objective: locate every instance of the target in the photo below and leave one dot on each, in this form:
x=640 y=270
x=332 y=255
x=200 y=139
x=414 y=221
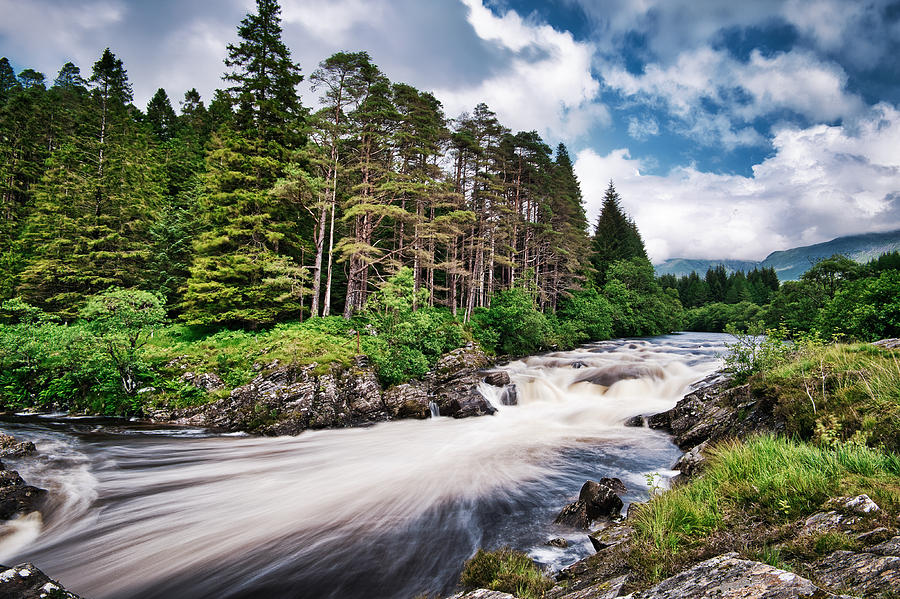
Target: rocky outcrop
x=717 y=411
x=867 y=573
x=11 y=448
x=844 y=515
x=288 y=399
x=728 y=577
x=453 y=383
x=25 y=581
x=597 y=500
x=205 y=381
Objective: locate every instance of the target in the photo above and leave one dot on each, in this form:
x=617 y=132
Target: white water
x=386 y=511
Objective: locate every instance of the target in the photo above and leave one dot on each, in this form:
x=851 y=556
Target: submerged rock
x=25 y=581
x=16 y=497
x=558 y=542
x=727 y=577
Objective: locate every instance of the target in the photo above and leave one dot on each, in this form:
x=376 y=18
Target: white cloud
x=821 y=183
x=642 y=128
x=742 y=91
x=332 y=20
x=546 y=85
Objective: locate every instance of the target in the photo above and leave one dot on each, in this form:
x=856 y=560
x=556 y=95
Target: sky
x=729 y=129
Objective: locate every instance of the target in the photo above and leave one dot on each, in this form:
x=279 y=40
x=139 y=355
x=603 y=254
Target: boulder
x=25 y=581
x=601 y=499
x=610 y=536
x=16 y=497
x=574 y=515
x=207 y=381
x=867 y=574
x=453 y=383
x=638 y=421
x=558 y=542
x=11 y=448
x=728 y=577
x=409 y=400
x=717 y=411
x=607 y=589
x=498 y=378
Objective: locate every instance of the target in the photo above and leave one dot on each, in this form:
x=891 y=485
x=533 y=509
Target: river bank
x=752 y=513
x=143 y=510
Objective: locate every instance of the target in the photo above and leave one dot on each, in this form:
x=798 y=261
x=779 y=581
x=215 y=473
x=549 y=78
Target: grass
x=838 y=393
x=507 y=571
x=756 y=488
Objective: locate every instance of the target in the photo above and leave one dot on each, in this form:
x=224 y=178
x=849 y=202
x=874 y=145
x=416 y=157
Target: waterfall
x=434 y=409
x=147 y=512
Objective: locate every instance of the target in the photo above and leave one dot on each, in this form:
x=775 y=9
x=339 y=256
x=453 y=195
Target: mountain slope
x=791 y=263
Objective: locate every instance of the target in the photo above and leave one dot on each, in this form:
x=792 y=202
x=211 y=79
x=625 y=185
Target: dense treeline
x=835 y=297
x=253 y=209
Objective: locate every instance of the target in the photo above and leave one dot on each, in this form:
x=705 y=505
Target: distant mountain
x=684 y=266
x=790 y=264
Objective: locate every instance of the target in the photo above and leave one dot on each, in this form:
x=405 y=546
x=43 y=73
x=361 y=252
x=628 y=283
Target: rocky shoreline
x=715 y=411
x=286 y=399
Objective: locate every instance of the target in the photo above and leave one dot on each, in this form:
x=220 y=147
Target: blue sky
x=730 y=129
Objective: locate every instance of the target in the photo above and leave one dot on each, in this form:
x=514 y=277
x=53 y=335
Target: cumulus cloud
x=822 y=182
x=546 y=84
x=714 y=96
x=642 y=128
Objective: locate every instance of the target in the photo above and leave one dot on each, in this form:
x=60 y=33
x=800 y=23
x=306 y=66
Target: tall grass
x=769 y=480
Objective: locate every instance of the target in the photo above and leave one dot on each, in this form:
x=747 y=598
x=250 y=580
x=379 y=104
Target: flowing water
x=391 y=510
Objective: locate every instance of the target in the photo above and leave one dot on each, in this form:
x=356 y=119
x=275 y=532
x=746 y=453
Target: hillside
x=791 y=263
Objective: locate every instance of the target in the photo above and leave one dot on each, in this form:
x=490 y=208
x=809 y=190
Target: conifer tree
x=616 y=236
x=161 y=116
x=8 y=81
x=265 y=78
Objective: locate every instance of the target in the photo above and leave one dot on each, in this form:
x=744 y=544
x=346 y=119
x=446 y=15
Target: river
x=392 y=510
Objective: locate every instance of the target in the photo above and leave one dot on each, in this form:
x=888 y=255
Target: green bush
x=512 y=325
x=507 y=571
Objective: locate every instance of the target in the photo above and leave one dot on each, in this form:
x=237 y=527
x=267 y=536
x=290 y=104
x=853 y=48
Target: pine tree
x=265 y=78
x=8 y=81
x=161 y=116
x=616 y=236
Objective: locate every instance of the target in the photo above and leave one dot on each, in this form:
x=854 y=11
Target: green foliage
x=755 y=349
x=615 y=238
x=640 y=307
x=766 y=480
x=512 y=325
x=505 y=570
x=123 y=320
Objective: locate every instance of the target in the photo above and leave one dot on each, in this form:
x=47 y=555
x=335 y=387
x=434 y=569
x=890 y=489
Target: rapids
x=391 y=510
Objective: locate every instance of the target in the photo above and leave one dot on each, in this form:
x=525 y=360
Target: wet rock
x=558 y=542
x=610 y=536
x=727 y=577
x=25 y=581
x=509 y=396
x=607 y=589
x=454 y=381
x=636 y=421
x=608 y=375
x=11 y=448
x=360 y=391
x=206 y=381
x=574 y=515
x=717 y=411
x=865 y=573
x=16 y=497
x=409 y=400
x=498 y=378
x=601 y=499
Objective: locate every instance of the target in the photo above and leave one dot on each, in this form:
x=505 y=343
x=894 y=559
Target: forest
x=370 y=222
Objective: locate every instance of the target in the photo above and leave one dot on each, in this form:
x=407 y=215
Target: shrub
x=512 y=325
x=507 y=571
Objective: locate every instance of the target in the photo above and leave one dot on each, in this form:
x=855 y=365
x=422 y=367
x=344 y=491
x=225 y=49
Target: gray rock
x=608 y=589
x=860 y=504
x=727 y=577
x=11 y=448
x=25 y=581
x=610 y=536
x=692 y=462
x=888 y=343
x=454 y=381
x=207 y=381
x=717 y=411
x=601 y=498
x=483 y=594
x=409 y=400
x=558 y=542
x=636 y=421
x=890 y=547
x=509 y=396
x=865 y=573
x=498 y=378
x=826 y=521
